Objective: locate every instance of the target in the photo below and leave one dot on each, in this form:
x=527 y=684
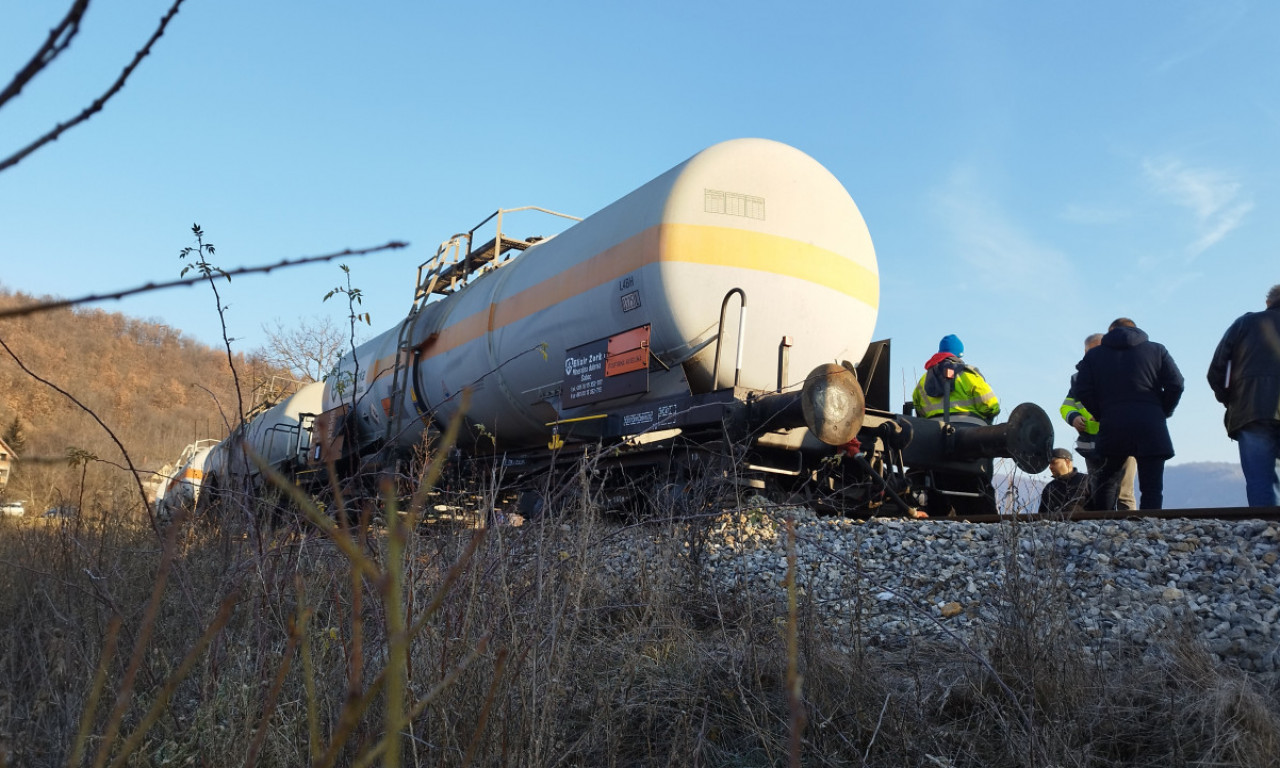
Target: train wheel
x=531 y=505
x=699 y=484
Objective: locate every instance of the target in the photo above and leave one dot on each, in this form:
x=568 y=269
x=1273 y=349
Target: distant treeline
x=155 y=388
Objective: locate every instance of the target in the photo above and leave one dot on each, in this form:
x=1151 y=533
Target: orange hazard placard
x=626 y=362
x=629 y=340
x=628 y=352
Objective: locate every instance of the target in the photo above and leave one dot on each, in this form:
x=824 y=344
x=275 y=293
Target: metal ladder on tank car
x=447 y=253
x=448 y=271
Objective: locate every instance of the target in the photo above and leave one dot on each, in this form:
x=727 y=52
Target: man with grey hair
x=1245 y=377
x=1087 y=440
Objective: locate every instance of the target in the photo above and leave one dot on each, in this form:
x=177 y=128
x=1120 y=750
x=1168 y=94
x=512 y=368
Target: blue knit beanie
x=951 y=343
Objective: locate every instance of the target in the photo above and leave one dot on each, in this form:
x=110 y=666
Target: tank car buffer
x=683 y=331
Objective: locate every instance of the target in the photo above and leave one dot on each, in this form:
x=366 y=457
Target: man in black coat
x=1245 y=376
x=1131 y=385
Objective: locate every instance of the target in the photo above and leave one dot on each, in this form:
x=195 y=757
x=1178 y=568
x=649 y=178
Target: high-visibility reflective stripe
x=936 y=411
x=932 y=407
x=929 y=402
x=956 y=405
x=1072 y=407
x=983 y=404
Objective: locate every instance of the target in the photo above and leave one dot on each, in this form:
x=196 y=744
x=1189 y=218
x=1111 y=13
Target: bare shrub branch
x=55 y=45
x=98 y=103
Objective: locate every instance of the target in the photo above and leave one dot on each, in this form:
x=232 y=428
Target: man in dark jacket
x=1131 y=385
x=1068 y=491
x=1087 y=442
x=1245 y=376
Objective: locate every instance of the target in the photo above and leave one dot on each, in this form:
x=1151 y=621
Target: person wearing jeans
x=1245 y=377
x=1260 y=459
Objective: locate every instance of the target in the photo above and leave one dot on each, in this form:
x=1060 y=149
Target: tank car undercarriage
x=821 y=446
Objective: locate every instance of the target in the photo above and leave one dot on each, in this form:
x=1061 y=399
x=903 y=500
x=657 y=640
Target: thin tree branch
x=44 y=306
x=98 y=103
x=60 y=38
x=142 y=493
x=56 y=460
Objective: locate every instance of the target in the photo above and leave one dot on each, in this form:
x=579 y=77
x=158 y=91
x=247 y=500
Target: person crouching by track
x=954 y=391
x=1131 y=385
x=1068 y=492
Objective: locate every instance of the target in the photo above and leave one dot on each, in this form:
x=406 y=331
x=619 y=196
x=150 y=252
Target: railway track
x=1202 y=513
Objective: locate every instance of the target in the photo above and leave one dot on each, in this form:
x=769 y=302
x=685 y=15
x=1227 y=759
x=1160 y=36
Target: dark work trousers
x=1127 y=477
x=1106 y=482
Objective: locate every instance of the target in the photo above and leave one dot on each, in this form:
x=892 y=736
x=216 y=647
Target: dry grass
x=440 y=645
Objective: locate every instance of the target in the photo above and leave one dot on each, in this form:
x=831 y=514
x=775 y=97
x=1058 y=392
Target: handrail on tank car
x=292 y=433
x=194 y=448
x=444 y=277
x=498 y=213
x=742 y=329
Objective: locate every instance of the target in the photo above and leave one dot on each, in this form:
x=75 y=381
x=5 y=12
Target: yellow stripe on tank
x=688 y=243
x=728 y=247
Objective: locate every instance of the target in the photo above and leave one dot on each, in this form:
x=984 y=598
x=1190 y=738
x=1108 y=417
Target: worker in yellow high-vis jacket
x=949 y=386
x=953 y=391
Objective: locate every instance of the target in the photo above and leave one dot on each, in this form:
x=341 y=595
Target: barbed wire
x=59 y=39
x=45 y=306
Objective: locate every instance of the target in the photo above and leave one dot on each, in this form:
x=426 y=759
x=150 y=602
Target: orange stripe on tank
x=687 y=243
x=604 y=267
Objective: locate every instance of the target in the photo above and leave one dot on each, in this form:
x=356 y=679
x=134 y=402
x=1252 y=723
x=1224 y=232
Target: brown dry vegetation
x=156 y=389
x=439 y=645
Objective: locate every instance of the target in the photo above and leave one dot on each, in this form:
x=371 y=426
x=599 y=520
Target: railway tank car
x=648 y=272
x=279 y=435
x=730 y=300
x=181 y=488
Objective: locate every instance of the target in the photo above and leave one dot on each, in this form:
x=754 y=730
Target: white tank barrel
x=545 y=338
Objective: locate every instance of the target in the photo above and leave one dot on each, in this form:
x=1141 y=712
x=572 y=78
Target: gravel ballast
x=1121 y=585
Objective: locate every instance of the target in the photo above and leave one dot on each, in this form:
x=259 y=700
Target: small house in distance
x=7 y=457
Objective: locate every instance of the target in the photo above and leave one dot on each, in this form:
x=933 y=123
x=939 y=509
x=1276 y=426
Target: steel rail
x=1200 y=513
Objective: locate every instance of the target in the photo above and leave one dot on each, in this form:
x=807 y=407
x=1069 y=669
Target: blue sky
x=1028 y=171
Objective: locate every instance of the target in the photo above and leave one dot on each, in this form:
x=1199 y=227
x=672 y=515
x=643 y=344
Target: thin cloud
x=1093 y=215
x=994 y=247
x=1215 y=199
x=1167 y=285
x=1203 y=31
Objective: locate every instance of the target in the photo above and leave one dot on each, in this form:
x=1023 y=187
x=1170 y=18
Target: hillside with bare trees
x=154 y=388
